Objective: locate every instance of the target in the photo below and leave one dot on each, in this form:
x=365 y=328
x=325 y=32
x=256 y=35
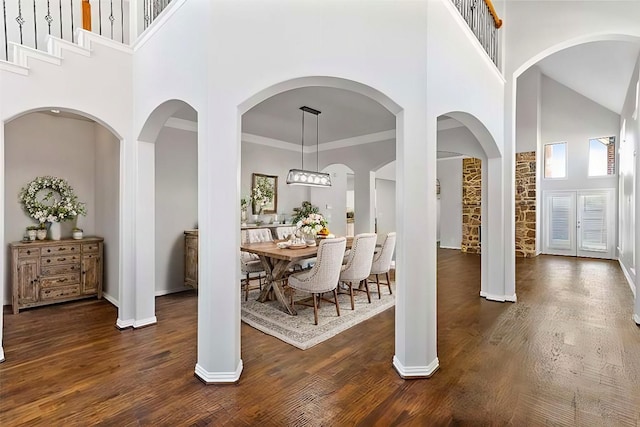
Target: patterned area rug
x=299 y=331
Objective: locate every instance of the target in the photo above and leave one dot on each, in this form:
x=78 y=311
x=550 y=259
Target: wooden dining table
x=276 y=263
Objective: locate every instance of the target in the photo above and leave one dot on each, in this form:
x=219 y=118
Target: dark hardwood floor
x=567 y=353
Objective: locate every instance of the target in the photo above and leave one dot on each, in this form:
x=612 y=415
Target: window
x=555 y=160
x=602 y=156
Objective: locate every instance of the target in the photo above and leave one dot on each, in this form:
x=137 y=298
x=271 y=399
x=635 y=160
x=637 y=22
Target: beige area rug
x=299 y=331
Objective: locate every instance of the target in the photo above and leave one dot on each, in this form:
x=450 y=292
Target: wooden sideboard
x=191 y=258
x=50 y=271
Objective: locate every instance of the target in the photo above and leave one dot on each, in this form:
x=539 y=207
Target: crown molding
x=182 y=124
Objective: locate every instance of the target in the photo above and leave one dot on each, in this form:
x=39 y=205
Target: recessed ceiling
x=600 y=71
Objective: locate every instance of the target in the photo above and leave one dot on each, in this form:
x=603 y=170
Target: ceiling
x=600 y=71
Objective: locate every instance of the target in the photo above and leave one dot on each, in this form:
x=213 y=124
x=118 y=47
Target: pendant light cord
x=317 y=147
x=302 y=150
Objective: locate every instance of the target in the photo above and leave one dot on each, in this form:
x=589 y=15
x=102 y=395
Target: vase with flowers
x=310 y=226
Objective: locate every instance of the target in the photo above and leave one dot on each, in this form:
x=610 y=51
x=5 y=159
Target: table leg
x=275 y=272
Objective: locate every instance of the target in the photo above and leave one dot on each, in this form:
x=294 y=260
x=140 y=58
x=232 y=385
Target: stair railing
x=483 y=20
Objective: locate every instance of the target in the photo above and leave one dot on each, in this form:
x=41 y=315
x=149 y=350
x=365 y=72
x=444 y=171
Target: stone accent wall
x=471 y=209
x=526 y=204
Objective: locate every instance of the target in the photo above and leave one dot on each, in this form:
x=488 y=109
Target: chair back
x=284 y=232
x=382 y=260
x=360 y=258
x=324 y=275
x=259 y=235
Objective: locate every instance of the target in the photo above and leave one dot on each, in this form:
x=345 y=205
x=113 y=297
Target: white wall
x=629 y=143
x=450 y=176
x=569 y=116
x=36 y=145
x=267 y=160
x=107 y=199
x=332 y=202
x=528 y=113
x=176 y=203
x=385 y=207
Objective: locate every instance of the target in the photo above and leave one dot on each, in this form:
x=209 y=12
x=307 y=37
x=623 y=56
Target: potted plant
x=76 y=233
x=41 y=233
x=32 y=232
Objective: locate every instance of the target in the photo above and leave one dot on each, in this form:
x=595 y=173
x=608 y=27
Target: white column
x=364 y=188
x=145 y=237
x=219 y=241
x=4 y=258
x=509 y=195
x=416 y=217
x=636 y=261
x=128 y=179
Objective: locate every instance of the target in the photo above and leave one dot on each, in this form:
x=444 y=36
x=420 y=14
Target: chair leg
x=315 y=308
x=389 y=284
x=335 y=295
x=291 y=296
x=365 y=282
x=246 y=288
x=353 y=306
x=378 y=283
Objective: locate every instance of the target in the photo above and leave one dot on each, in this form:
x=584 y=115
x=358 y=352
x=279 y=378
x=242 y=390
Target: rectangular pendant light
x=306 y=177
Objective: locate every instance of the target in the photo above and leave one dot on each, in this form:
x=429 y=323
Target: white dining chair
x=381 y=263
x=358 y=266
x=285 y=232
x=322 y=277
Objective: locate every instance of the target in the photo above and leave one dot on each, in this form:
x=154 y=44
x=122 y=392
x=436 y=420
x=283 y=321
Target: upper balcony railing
x=483 y=20
x=28 y=22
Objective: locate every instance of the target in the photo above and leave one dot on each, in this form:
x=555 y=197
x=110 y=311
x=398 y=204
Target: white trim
x=1 y=354
x=124 y=324
x=111 y=299
x=182 y=124
x=86 y=38
x=448 y=123
x=461 y=156
x=627 y=275
x=472 y=38
x=163 y=292
x=269 y=142
x=636 y=319
x=157 y=23
x=218 y=377
x=22 y=53
x=14 y=68
x=55 y=46
x=498 y=298
x=356 y=140
x=409 y=372
x=145 y=322
x=450 y=247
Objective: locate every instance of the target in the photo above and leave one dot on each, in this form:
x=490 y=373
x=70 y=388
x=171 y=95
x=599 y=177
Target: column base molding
x=124 y=324
x=415 y=372
x=145 y=322
x=218 y=377
x=636 y=318
x=499 y=298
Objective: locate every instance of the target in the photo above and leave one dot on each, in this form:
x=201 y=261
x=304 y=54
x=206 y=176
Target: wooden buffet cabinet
x=51 y=271
x=191 y=258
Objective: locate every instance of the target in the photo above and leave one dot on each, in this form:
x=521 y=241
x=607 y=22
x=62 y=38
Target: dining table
x=277 y=262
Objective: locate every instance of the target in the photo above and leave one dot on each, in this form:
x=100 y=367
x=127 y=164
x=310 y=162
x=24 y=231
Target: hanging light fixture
x=306 y=177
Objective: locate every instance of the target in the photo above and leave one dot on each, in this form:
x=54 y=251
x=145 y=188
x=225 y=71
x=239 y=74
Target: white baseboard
x=218 y=377
x=172 y=291
x=1 y=354
x=415 y=372
x=145 y=322
x=450 y=247
x=124 y=324
x=627 y=275
x=636 y=319
x=499 y=298
x=111 y=299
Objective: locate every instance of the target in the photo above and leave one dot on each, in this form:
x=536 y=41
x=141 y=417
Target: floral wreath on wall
x=51 y=199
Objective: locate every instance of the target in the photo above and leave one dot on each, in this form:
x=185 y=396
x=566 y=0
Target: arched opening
x=84 y=151
x=166 y=207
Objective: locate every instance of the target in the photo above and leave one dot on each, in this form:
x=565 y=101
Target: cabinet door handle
x=62 y=259
x=61 y=249
x=28 y=252
x=62 y=280
x=48 y=261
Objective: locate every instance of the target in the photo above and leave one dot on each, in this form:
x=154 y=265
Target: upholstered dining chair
x=250 y=263
x=358 y=266
x=323 y=276
x=382 y=261
x=285 y=232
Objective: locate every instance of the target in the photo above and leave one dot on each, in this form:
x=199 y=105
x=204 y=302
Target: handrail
x=86 y=15
x=494 y=14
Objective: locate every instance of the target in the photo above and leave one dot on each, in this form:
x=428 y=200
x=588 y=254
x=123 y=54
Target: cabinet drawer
x=60 y=281
x=59 y=292
x=60 y=259
x=28 y=252
x=90 y=247
x=58 y=269
x=70 y=248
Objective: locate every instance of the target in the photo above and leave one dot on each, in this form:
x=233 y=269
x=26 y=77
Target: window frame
x=566 y=161
x=615 y=166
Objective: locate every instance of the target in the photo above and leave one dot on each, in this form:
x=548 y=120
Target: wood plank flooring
x=567 y=353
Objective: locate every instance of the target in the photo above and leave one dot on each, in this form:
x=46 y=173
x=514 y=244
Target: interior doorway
x=580 y=223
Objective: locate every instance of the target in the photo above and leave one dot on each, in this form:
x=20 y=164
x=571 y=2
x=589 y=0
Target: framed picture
x=272 y=182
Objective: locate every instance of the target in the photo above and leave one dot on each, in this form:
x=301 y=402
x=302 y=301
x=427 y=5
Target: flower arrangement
x=51 y=199
x=312 y=224
x=261 y=194
x=244 y=203
x=303 y=211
